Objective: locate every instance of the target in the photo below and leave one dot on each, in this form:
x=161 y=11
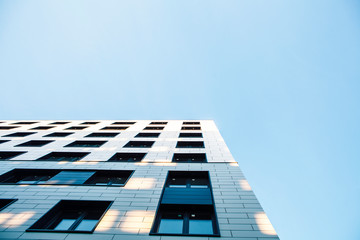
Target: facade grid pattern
x=135 y=204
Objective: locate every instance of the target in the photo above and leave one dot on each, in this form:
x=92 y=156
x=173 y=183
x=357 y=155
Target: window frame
x=187 y=156
x=123 y=123
x=145 y=144
x=185 y=208
x=44 y=142
x=55 y=213
x=18 y=153
x=50 y=173
x=42 y=158
x=147 y=135
x=102 y=135
x=22 y=134
x=113 y=157
x=190 y=135
x=179 y=143
x=42 y=128
x=82 y=143
x=11 y=201
x=59 y=134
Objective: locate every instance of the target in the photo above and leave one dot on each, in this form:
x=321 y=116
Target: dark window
x=186 y=206
x=6 y=202
x=123 y=123
x=158 y=123
x=86 y=144
x=191 y=123
x=190 y=135
x=42 y=128
x=59 y=123
x=114 y=128
x=149 y=135
x=9 y=155
x=109 y=178
x=139 y=144
x=186 y=220
x=4 y=141
x=154 y=128
x=7 y=127
x=190 y=128
x=27 y=176
x=34 y=143
x=102 y=134
x=76 y=128
x=190 y=144
x=115 y=178
x=190 y=179
x=19 y=134
x=89 y=123
x=59 y=134
x=24 y=123
x=127 y=157
x=189 y=157
x=63 y=156
x=72 y=216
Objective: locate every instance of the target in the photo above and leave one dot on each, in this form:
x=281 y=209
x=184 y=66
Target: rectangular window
x=154 y=128
x=139 y=144
x=59 y=134
x=42 y=128
x=190 y=135
x=63 y=156
x=76 y=128
x=123 y=123
x=24 y=123
x=190 y=144
x=127 y=157
x=7 y=127
x=89 y=123
x=59 y=123
x=147 y=135
x=190 y=128
x=6 y=202
x=102 y=135
x=158 y=123
x=8 y=155
x=114 y=128
x=86 y=144
x=113 y=178
x=72 y=216
x=186 y=206
x=189 y=157
x=19 y=134
x=191 y=123
x=34 y=143
x=186 y=220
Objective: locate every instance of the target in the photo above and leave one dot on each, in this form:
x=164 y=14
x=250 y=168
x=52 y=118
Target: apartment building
x=124 y=180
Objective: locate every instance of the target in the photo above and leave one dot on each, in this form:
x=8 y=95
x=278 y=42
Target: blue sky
x=280 y=79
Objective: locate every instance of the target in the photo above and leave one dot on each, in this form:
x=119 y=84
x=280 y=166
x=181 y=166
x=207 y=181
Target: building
x=124 y=180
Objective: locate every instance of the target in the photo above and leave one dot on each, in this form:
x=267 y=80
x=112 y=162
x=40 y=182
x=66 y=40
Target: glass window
x=200 y=224
x=86 y=225
x=171 y=223
x=72 y=215
x=199 y=183
x=177 y=182
x=65 y=224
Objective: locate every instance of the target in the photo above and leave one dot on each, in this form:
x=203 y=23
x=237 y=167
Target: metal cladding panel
x=187 y=196
x=70 y=177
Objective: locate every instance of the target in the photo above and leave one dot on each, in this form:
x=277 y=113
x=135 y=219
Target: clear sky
x=280 y=78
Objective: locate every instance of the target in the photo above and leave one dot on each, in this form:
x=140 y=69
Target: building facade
x=124 y=180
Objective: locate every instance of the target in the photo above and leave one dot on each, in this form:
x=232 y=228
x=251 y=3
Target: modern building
x=124 y=180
